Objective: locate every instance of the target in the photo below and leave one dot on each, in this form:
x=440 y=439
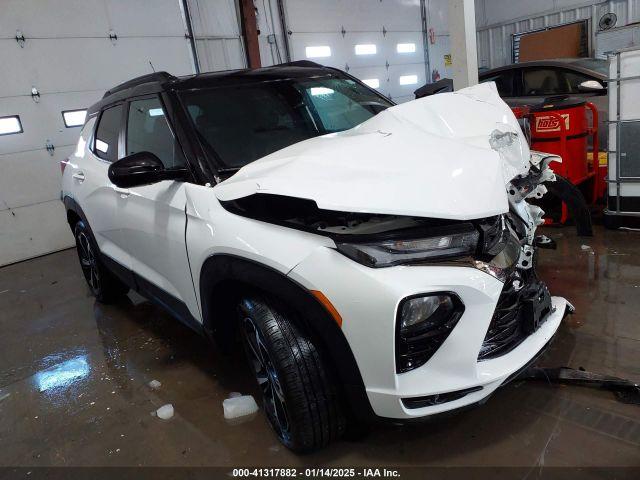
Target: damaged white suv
x=375 y=260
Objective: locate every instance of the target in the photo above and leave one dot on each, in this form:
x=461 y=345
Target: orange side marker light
x=328 y=305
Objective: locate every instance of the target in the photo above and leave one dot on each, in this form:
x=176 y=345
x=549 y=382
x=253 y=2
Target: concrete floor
x=74 y=374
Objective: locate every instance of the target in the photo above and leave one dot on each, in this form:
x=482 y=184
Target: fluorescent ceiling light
x=372 y=82
x=408 y=79
x=319 y=51
x=366 y=49
x=74 y=118
x=155 y=112
x=406 y=47
x=10 y=125
x=315 y=91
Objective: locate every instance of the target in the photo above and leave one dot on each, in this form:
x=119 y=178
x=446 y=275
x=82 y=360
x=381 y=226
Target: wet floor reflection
x=62 y=375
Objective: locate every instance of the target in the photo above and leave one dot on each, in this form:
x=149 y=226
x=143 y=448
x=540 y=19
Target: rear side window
x=544 y=81
x=106 y=142
x=148 y=131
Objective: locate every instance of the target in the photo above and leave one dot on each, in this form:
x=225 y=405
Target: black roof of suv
x=158 y=81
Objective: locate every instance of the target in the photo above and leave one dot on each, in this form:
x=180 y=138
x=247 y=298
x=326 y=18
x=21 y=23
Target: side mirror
x=591 y=86
x=141 y=168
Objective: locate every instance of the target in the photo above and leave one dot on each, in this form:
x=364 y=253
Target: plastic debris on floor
x=154 y=384
x=239 y=406
x=165 y=412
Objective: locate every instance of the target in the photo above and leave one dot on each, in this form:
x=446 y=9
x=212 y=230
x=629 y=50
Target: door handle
x=123 y=192
x=79 y=176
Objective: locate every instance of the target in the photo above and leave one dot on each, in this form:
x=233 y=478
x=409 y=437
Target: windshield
x=241 y=123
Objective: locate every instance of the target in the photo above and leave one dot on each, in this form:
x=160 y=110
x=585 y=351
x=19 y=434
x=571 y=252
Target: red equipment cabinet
x=562 y=128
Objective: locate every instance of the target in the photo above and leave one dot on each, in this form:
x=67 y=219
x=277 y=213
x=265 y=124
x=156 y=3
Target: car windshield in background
x=242 y=123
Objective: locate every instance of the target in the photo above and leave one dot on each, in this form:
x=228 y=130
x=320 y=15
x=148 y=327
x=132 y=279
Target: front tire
x=105 y=286
x=299 y=397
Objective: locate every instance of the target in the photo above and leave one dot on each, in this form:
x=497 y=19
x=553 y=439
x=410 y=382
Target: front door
x=152 y=217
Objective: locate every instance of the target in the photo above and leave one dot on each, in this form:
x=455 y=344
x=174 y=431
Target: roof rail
x=150 y=77
x=301 y=63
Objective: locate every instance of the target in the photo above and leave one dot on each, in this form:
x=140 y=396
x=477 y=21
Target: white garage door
x=379 y=41
x=68 y=57
x=216 y=28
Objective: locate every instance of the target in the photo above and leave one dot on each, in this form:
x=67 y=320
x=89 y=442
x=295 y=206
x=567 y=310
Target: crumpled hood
x=427 y=158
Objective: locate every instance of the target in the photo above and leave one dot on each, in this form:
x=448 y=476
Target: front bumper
x=367 y=300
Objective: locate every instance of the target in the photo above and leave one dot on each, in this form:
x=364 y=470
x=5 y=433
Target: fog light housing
x=423 y=324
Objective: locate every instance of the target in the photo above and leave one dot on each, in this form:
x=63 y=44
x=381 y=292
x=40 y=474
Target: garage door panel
x=373 y=73
x=125 y=16
x=353 y=15
x=351 y=40
x=402 y=93
x=43 y=121
x=407 y=40
x=34 y=230
x=214 y=17
x=90 y=18
x=312 y=16
x=220 y=54
x=339 y=54
x=31 y=177
x=401 y=15
x=94 y=62
x=363 y=21
x=37 y=19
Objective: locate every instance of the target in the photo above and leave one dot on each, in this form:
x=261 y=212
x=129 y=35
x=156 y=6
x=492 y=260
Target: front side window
x=106 y=140
x=504 y=83
x=242 y=123
x=148 y=131
x=573 y=80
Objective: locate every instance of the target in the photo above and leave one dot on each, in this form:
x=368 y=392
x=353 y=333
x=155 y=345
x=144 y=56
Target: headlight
x=424 y=322
x=386 y=253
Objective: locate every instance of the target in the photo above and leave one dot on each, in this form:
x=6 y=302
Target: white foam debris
x=235 y=394
x=239 y=406
x=165 y=412
x=155 y=384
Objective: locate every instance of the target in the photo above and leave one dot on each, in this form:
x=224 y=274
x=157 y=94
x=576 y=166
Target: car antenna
x=154 y=70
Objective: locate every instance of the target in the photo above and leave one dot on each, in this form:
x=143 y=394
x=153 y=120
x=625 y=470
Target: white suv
x=375 y=260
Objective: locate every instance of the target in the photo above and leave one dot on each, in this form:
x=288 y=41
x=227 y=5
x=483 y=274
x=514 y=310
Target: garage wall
x=68 y=57
x=498 y=20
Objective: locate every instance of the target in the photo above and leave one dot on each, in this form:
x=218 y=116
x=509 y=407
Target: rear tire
x=299 y=397
x=105 y=286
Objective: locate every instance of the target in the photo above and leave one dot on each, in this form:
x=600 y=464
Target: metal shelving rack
x=623 y=154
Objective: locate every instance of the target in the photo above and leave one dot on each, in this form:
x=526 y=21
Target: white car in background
x=375 y=260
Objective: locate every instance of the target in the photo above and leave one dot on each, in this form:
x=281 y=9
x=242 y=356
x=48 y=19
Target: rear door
x=152 y=217
x=98 y=198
